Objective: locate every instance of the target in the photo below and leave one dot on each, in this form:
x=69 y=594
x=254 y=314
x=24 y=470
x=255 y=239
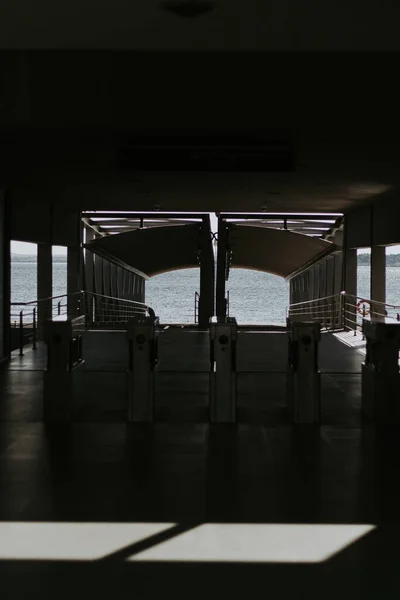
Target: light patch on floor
x=256 y=543
x=71 y=541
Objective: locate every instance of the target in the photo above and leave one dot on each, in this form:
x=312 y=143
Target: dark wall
x=33 y=219
x=377 y=224
x=4 y=278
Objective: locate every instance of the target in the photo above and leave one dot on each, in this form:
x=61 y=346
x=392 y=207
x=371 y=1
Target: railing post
x=34 y=329
x=59 y=308
x=21 y=334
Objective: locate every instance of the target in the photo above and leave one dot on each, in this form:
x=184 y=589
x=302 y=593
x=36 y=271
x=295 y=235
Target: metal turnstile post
x=143 y=359
x=303 y=375
x=223 y=386
x=63 y=337
x=380 y=373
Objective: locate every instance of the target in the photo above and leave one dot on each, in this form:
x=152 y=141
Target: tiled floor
x=191 y=510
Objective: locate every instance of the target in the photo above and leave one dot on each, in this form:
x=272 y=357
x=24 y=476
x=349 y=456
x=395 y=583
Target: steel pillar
x=220 y=300
x=207 y=270
x=73 y=279
x=44 y=285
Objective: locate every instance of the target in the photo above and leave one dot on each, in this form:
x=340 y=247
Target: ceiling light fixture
x=189 y=9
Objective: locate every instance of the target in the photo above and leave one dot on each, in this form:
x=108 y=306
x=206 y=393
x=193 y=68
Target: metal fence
x=99 y=311
x=344 y=311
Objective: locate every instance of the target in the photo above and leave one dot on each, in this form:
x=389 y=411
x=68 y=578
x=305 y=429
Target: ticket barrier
x=380 y=373
x=143 y=359
x=223 y=379
x=63 y=337
x=303 y=384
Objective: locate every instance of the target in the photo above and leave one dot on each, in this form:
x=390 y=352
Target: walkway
x=185 y=472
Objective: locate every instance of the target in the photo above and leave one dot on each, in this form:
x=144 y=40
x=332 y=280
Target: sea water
x=255 y=297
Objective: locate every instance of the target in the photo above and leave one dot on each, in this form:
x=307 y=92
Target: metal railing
x=99 y=310
x=343 y=311
x=227 y=301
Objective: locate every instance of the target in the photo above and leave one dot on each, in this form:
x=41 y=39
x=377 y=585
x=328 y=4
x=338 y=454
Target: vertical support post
x=207 y=270
x=74 y=268
x=5 y=277
x=89 y=275
x=73 y=279
x=350 y=287
x=221 y=267
x=44 y=285
x=378 y=280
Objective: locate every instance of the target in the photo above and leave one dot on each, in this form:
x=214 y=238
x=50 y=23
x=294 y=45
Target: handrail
x=344 y=311
x=97 y=308
x=369 y=300
x=117 y=299
x=46 y=299
x=315 y=300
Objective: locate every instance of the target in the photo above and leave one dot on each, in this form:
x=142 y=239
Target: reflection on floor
x=185 y=508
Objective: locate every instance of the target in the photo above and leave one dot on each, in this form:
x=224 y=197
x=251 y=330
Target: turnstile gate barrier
x=380 y=373
x=143 y=358
x=223 y=384
x=303 y=386
x=63 y=338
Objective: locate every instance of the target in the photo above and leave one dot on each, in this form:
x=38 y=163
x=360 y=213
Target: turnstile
x=63 y=337
x=143 y=359
x=380 y=373
x=223 y=384
x=303 y=386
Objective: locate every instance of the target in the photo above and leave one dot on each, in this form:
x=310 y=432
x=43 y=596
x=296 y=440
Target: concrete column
x=44 y=285
x=73 y=278
x=207 y=270
x=5 y=279
x=378 y=277
x=74 y=263
x=89 y=263
x=350 y=286
x=220 y=307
